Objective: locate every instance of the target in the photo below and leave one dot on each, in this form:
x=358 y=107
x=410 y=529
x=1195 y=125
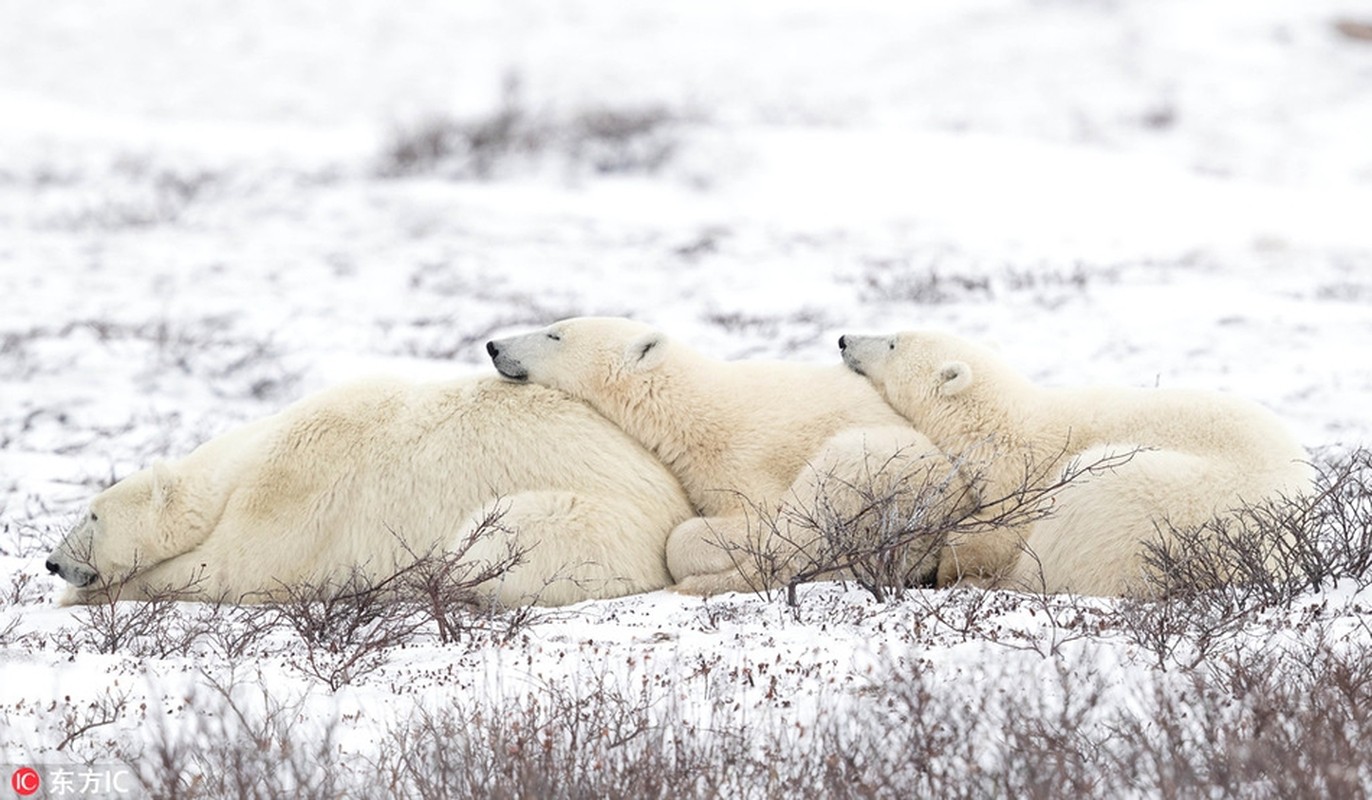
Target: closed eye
x=556 y=337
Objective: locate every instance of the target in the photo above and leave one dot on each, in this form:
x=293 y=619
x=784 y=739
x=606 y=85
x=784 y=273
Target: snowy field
x=210 y=209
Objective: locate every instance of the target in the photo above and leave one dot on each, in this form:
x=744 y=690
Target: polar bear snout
x=77 y=576
x=508 y=366
x=851 y=356
x=863 y=354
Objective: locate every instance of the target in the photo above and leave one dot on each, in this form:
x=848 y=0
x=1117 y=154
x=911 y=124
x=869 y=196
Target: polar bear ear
x=954 y=377
x=163 y=482
x=645 y=352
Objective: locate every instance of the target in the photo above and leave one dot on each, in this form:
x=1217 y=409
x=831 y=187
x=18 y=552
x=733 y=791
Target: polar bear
x=783 y=461
x=361 y=479
x=1155 y=460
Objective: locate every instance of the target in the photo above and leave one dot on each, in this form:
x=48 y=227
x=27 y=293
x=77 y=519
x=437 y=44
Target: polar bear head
x=127 y=528
x=591 y=358
x=941 y=383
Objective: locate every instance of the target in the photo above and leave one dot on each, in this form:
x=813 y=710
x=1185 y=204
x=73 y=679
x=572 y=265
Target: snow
x=195 y=229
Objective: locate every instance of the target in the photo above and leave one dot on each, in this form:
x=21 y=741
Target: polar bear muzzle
x=860 y=352
x=76 y=575
x=509 y=367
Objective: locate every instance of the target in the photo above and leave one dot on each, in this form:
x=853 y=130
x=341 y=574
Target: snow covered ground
x=203 y=216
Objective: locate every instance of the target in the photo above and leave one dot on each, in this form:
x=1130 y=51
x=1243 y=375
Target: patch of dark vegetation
x=941 y=281
x=787 y=333
x=891 y=281
x=599 y=140
x=135 y=191
x=446 y=338
x=1284 y=726
x=1345 y=292
x=250 y=744
x=704 y=243
x=233 y=362
x=1354 y=30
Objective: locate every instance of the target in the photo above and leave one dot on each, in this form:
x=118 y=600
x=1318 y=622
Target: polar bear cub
x=365 y=477
x=759 y=446
x=1170 y=459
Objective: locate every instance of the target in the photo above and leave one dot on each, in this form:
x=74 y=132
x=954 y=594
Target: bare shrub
x=602 y=140
x=135 y=191
x=25 y=538
x=607 y=743
x=347 y=626
x=150 y=625
x=8 y=632
x=886 y=541
x=895 y=280
x=231 y=631
x=621 y=140
x=1284 y=725
x=948 y=277
x=1292 y=725
x=446 y=586
x=556 y=743
x=1336 y=523
x=904 y=739
x=80 y=719
x=1214 y=580
x=1205 y=585
x=239 y=743
x=890 y=540
x=22 y=590
x=1266 y=553
x=1052 y=744
x=210 y=347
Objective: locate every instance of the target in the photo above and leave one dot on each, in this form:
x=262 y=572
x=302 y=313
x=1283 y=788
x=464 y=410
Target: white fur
x=339 y=480
x=1185 y=457
x=747 y=439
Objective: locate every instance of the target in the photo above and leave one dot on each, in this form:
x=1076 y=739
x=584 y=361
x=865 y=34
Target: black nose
x=53 y=569
x=492 y=350
x=843 y=342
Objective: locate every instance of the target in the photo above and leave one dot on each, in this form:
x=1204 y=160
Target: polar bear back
x=762 y=423
x=1185 y=420
x=418 y=460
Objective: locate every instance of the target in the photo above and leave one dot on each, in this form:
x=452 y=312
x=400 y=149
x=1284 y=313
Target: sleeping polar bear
x=762 y=448
x=1171 y=459
x=365 y=477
